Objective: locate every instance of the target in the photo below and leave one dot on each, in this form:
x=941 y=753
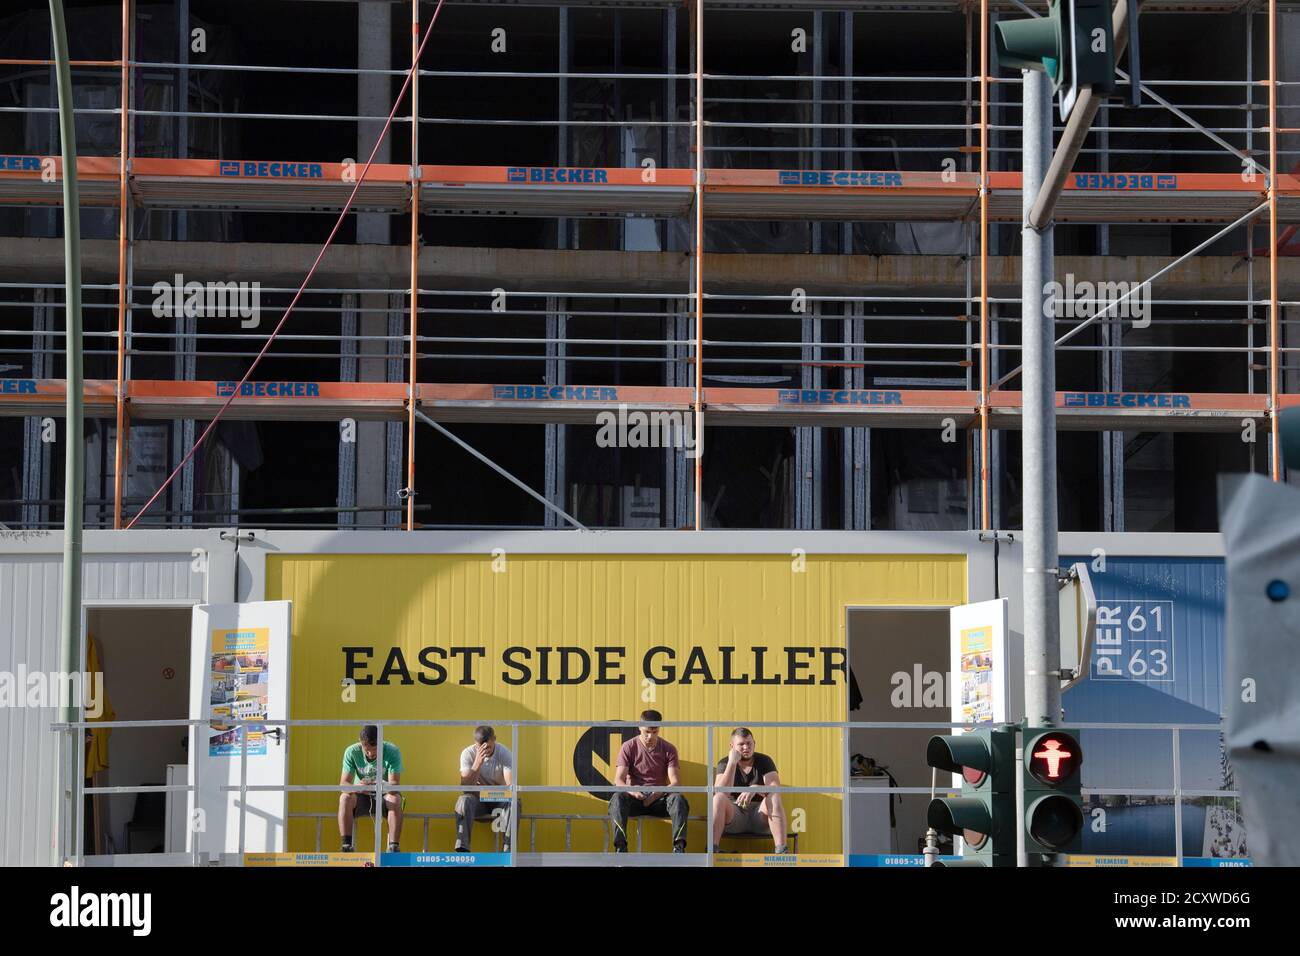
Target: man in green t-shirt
x=359 y=766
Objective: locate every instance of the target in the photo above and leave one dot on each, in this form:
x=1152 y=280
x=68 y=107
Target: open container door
x=239 y=670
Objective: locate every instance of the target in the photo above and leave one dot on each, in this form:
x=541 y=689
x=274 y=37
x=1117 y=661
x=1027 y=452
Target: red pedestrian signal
x=1054 y=758
x=1052 y=793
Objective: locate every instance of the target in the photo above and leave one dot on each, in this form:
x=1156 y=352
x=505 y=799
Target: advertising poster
x=976 y=676
x=982 y=653
x=240 y=671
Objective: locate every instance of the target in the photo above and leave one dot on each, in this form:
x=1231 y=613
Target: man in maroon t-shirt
x=648 y=761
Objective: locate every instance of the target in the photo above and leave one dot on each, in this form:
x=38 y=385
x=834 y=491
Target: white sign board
x=239 y=670
x=980 y=660
x=1078 y=607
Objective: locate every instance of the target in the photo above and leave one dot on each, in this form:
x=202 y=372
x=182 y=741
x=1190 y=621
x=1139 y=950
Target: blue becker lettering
x=271 y=389
x=555 y=393
x=1125 y=181
x=29 y=163
x=1126 y=400
x=844 y=177
x=271 y=170
x=561 y=175
x=808 y=396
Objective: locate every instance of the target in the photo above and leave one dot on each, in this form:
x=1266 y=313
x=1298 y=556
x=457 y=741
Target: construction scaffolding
x=815 y=250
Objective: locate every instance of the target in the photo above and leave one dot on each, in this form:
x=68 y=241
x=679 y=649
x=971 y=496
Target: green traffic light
x=956 y=816
x=1032 y=44
x=984 y=816
x=959 y=752
x=1028 y=44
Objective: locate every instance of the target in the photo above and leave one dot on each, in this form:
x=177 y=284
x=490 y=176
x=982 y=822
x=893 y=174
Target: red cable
x=310 y=272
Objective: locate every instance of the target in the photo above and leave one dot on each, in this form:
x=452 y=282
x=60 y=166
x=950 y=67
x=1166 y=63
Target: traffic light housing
x=1050 y=776
x=1074 y=44
x=1033 y=44
x=985 y=813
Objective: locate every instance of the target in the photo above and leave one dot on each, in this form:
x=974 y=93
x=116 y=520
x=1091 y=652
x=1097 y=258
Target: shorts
x=366 y=803
x=747 y=820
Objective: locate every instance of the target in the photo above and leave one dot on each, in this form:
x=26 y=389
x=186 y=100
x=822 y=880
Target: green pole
x=73 y=468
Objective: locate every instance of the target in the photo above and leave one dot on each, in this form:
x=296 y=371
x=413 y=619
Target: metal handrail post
x=709 y=780
x=243 y=781
x=379 y=808
x=1178 y=797
x=514 y=794
x=846 y=820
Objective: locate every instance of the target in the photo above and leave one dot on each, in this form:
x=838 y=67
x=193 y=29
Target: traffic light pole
x=1038 y=344
x=74 y=465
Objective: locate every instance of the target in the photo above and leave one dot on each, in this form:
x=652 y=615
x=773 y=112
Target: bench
x=532 y=819
x=526 y=818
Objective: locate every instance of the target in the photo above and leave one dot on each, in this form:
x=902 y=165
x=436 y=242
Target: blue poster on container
x=1157 y=659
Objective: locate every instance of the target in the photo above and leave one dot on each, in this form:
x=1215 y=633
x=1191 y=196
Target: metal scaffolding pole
x=699 y=264
x=984 y=266
x=123 y=239
x=415 y=261
x=1274 y=319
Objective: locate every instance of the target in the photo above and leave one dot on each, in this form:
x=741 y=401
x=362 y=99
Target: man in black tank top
x=755 y=811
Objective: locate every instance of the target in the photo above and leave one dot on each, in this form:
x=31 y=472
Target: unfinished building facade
x=750 y=265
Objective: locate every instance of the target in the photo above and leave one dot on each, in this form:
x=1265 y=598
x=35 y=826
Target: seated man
x=359 y=765
x=484 y=763
x=752 y=812
x=648 y=761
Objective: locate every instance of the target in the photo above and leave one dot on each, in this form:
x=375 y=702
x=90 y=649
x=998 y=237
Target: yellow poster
x=240 y=662
x=976 y=678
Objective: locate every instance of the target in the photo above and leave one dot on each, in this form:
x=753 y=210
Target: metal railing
x=73 y=759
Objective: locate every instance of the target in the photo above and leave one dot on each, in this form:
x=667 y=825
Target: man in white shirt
x=484 y=763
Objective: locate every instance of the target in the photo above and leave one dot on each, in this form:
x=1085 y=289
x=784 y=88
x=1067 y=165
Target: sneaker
x=392 y=847
x=717 y=849
x=346 y=848
x=781 y=850
x=679 y=848
x=620 y=849
x=461 y=849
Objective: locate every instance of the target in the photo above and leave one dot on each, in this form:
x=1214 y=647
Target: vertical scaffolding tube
x=1274 y=323
x=699 y=264
x=562 y=131
x=1042 y=647
x=415 y=261
x=123 y=237
x=984 y=264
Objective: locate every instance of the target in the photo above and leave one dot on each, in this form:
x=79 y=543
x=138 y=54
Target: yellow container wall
x=628 y=602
